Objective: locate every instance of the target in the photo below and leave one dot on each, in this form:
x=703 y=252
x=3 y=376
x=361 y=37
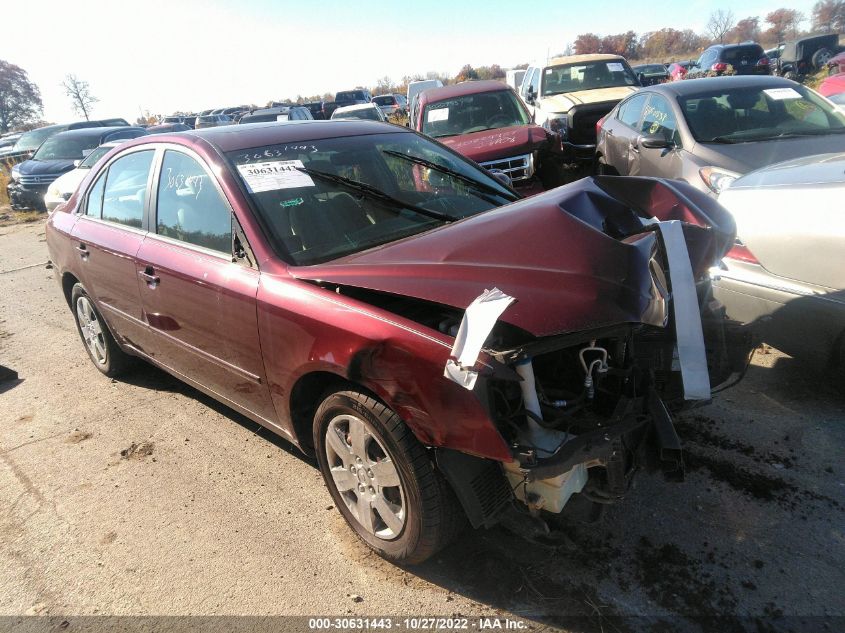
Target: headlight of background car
x=557 y=124
x=16 y=173
x=717 y=179
x=53 y=191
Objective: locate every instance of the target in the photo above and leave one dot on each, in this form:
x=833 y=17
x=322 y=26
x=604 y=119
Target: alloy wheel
x=365 y=476
x=92 y=330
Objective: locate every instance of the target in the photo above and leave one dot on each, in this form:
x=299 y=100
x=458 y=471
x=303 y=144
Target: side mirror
x=501 y=176
x=654 y=141
x=530 y=97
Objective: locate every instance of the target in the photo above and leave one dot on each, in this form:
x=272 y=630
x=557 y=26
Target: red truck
x=486 y=122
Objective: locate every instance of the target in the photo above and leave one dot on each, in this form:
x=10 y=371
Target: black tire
x=820 y=58
x=432 y=515
x=603 y=169
x=113 y=361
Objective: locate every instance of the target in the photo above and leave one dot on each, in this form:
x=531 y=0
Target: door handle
x=83 y=252
x=148 y=275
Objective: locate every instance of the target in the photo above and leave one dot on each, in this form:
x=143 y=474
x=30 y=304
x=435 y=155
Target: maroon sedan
x=448 y=351
x=486 y=122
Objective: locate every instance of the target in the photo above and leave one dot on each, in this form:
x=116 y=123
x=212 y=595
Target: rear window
x=384 y=100
x=350 y=95
x=737 y=53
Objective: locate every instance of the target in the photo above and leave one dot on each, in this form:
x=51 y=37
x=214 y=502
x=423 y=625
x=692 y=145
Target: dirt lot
x=143 y=496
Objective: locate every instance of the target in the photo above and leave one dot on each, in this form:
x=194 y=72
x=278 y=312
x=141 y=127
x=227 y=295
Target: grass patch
x=4 y=195
x=10 y=218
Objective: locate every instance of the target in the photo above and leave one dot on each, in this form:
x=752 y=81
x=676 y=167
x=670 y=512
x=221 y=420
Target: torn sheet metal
x=479 y=318
x=690 y=338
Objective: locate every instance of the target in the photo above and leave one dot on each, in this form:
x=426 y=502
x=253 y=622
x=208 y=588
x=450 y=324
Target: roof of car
x=461 y=90
x=231 y=138
x=593 y=57
x=94 y=132
x=357 y=106
x=689 y=87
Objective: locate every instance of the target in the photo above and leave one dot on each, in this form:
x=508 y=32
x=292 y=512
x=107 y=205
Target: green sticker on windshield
x=293 y=202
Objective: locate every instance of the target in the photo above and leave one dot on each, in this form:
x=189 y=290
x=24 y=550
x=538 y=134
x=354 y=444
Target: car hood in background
x=563 y=102
x=745 y=157
x=68 y=182
x=41 y=167
x=499 y=143
x=549 y=252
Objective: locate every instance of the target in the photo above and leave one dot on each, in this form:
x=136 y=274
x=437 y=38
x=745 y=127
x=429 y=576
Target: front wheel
x=382 y=480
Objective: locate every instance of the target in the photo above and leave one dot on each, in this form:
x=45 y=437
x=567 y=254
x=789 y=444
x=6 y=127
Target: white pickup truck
x=568 y=95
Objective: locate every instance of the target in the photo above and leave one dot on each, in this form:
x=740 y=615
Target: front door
x=658 y=119
x=198 y=302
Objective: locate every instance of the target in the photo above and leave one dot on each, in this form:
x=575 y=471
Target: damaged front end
x=583 y=411
x=597 y=322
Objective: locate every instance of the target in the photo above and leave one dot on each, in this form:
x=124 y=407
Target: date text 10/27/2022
x=417 y=624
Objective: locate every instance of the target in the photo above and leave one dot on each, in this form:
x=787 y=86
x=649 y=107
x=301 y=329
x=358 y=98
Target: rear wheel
x=99 y=343
x=382 y=480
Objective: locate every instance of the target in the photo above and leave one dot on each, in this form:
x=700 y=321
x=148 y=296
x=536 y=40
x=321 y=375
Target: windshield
x=384 y=100
x=60 y=147
x=652 y=68
x=759 y=114
x=473 y=113
x=31 y=140
x=94 y=156
x=586 y=76
x=370 y=114
x=375 y=197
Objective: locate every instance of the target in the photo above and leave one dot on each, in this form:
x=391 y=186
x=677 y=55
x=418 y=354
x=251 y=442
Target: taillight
x=719 y=67
x=763 y=61
x=740 y=252
x=599 y=123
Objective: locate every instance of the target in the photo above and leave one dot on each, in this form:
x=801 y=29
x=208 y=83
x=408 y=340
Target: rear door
x=622 y=131
x=107 y=237
x=198 y=302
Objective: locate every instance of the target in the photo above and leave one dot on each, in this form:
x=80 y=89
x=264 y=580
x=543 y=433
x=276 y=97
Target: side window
x=126 y=188
x=659 y=119
x=94 y=208
x=535 y=82
x=630 y=111
x=189 y=207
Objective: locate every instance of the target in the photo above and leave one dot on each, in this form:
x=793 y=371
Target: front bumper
x=573 y=152
x=26 y=197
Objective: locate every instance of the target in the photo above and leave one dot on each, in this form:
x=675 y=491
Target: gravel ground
x=144 y=497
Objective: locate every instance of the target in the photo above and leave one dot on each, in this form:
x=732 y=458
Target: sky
x=163 y=56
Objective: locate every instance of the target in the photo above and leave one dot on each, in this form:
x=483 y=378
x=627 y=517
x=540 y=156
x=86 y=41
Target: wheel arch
x=69 y=280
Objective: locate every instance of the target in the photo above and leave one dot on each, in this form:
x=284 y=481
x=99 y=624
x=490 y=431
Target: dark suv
x=744 y=59
x=58 y=154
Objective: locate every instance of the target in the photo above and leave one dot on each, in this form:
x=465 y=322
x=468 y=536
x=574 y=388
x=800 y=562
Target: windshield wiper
x=373 y=192
x=721 y=139
x=449 y=172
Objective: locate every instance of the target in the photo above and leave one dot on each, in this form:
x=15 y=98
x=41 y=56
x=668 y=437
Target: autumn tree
x=467 y=73
x=719 y=24
x=669 y=42
x=20 y=99
x=80 y=95
x=784 y=23
x=746 y=29
x=828 y=16
x=587 y=43
x=490 y=72
x=624 y=44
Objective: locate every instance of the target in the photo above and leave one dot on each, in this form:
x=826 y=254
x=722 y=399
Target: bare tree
x=720 y=23
x=80 y=95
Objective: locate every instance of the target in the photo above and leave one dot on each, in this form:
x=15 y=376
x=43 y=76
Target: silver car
x=710 y=131
x=786 y=272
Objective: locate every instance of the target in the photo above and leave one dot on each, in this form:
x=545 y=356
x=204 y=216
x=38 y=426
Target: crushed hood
x=566 y=274
x=497 y=144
